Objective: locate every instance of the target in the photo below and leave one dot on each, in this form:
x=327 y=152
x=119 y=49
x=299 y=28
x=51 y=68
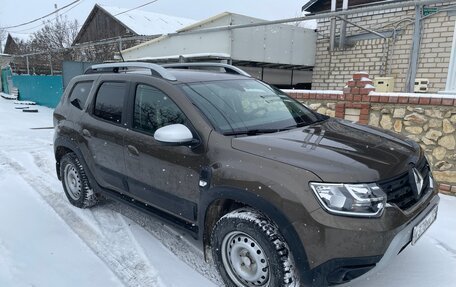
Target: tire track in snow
x=42 y=162
x=6 y=269
x=444 y=247
x=112 y=246
x=173 y=241
x=177 y=243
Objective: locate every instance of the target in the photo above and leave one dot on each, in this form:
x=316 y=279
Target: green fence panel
x=6 y=73
x=44 y=90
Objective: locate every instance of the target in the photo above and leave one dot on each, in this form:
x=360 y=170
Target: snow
x=28 y=103
x=414 y=95
x=321 y=92
x=8 y=96
x=45 y=241
x=148 y=23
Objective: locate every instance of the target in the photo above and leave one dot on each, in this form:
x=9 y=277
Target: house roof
x=11 y=46
x=317 y=6
x=148 y=23
x=206 y=23
x=201 y=23
x=137 y=21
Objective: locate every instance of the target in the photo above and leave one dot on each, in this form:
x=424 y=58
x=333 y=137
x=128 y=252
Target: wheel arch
x=62 y=146
x=216 y=202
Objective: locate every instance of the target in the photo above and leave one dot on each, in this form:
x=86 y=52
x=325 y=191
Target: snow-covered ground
x=44 y=241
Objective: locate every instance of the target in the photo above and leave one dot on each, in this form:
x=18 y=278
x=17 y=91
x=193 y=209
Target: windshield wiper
x=298 y=125
x=253 y=132
x=304 y=124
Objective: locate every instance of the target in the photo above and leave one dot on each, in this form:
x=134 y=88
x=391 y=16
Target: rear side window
x=80 y=93
x=109 y=101
x=154 y=109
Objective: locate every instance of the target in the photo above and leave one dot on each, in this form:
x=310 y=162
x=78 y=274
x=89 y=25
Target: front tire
x=249 y=251
x=76 y=183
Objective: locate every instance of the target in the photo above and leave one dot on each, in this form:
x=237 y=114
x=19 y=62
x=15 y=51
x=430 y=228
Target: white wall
x=277 y=44
x=215 y=42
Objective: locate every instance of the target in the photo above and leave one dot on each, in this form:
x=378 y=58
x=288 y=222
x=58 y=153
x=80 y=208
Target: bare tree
x=57 y=34
x=52 y=42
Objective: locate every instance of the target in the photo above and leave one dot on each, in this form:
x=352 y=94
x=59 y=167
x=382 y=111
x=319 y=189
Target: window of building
x=110 y=101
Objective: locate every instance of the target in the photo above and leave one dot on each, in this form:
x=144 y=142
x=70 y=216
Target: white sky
x=20 y=11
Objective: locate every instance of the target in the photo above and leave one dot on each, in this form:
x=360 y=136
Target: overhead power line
x=140 y=6
x=42 y=17
x=24 y=31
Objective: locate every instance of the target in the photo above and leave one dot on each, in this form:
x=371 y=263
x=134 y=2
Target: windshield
x=248 y=106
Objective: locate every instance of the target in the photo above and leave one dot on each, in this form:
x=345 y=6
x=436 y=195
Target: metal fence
x=44 y=90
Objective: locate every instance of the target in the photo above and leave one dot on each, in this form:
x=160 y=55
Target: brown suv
x=283 y=196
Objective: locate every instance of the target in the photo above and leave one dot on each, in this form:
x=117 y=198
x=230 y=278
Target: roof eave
x=89 y=19
x=308 y=5
x=205 y=21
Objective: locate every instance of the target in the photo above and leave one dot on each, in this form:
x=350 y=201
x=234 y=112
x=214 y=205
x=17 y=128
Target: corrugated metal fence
x=6 y=80
x=44 y=90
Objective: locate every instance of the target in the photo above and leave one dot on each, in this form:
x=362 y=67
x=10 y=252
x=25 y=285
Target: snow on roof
x=148 y=23
x=22 y=36
x=415 y=95
x=205 y=21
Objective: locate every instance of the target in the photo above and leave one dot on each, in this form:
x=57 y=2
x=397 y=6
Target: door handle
x=86 y=133
x=132 y=150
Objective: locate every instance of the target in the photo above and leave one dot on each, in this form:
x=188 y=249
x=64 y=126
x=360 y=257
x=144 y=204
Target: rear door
x=103 y=129
x=161 y=175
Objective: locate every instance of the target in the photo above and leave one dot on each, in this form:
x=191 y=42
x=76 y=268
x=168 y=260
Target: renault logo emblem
x=418 y=180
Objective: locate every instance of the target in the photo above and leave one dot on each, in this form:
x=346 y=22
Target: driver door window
x=154 y=109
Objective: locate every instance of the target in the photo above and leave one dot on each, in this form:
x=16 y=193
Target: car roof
x=181 y=75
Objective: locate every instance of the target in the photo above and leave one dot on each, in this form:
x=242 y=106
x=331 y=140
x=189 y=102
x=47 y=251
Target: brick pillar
x=357 y=90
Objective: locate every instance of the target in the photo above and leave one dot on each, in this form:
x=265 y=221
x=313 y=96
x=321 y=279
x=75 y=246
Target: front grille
x=399 y=190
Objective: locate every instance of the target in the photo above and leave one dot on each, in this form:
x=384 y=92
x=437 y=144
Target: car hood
x=336 y=151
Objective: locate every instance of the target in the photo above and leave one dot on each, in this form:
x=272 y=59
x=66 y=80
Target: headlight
x=351 y=199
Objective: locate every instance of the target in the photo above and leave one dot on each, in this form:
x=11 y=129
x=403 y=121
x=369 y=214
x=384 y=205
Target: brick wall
x=378 y=56
x=428 y=119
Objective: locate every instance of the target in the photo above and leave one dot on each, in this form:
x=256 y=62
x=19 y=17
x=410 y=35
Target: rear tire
x=249 y=251
x=76 y=183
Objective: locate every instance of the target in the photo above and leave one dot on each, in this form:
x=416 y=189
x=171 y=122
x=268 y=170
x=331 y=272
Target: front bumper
x=402 y=239
x=358 y=250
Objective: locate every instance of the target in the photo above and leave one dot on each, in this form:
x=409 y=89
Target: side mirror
x=176 y=134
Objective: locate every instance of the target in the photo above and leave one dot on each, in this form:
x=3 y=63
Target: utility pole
x=343 y=26
x=50 y=64
x=332 y=37
x=414 y=57
x=28 y=66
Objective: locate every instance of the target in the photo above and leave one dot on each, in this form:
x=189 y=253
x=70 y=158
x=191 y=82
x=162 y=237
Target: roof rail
x=230 y=69
x=156 y=70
